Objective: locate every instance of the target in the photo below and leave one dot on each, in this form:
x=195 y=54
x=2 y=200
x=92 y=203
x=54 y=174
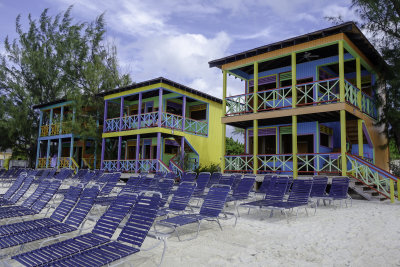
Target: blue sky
x=177 y=38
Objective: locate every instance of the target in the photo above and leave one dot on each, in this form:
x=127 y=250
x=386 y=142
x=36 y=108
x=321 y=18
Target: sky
x=177 y=38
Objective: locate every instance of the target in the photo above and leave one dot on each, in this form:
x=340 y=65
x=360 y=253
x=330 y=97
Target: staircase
x=370 y=181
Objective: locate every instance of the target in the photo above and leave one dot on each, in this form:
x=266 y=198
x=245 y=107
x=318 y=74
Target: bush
x=213 y=167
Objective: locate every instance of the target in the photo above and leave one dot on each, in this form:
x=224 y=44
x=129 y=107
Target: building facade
x=160 y=125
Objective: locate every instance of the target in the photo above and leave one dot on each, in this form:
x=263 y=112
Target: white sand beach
x=366 y=234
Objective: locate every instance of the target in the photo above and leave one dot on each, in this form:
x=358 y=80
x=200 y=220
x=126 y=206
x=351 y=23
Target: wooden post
x=255 y=122
x=137 y=153
x=160 y=106
x=343 y=146
x=103 y=148
x=223 y=132
x=341 y=72
x=294 y=118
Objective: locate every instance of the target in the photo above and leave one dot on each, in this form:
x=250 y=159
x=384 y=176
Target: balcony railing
x=311 y=93
x=55 y=129
x=144 y=165
x=148 y=120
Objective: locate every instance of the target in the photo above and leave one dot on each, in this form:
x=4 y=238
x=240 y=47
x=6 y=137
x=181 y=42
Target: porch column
x=294 y=117
x=121 y=113
x=95 y=154
x=71 y=151
x=103 y=148
x=160 y=92
x=61 y=119
x=119 y=153
x=59 y=152
x=343 y=141
x=158 y=150
x=255 y=122
x=359 y=103
x=51 y=121
x=139 y=110
x=38 y=143
x=223 y=132
x=183 y=151
x=48 y=153
x=104 y=120
x=137 y=153
x=183 y=112
x=341 y=72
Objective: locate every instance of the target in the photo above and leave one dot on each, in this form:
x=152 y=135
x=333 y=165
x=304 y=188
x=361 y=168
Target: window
x=324 y=140
x=169 y=149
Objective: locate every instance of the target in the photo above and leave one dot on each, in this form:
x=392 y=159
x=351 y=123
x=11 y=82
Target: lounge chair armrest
x=229 y=215
x=51 y=239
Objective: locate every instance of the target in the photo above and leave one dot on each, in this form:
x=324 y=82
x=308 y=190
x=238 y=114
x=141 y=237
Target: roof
x=165 y=81
x=38 y=106
x=349 y=28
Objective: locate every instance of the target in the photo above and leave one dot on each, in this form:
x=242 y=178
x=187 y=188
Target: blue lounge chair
x=130 y=187
x=201 y=181
x=188 y=177
x=319 y=187
x=338 y=191
x=164 y=186
x=180 y=200
x=236 y=180
x=110 y=184
x=298 y=197
x=97 y=248
x=14 y=189
x=242 y=190
x=265 y=184
x=227 y=180
x=214 y=179
x=170 y=175
x=210 y=210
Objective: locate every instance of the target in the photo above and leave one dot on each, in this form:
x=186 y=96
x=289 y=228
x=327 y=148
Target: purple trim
x=140 y=110
x=264 y=132
x=170 y=142
x=183 y=112
x=264 y=80
x=121 y=112
x=182 y=150
x=367 y=135
x=160 y=92
x=119 y=152
x=137 y=151
x=158 y=149
x=105 y=115
x=103 y=147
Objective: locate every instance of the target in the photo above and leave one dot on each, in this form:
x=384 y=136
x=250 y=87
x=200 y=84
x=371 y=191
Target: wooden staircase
x=365 y=191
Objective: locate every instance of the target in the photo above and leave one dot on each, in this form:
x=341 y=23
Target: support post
x=255 y=93
x=255 y=146
x=59 y=152
x=71 y=151
x=182 y=152
x=294 y=118
x=398 y=189
x=358 y=81
x=61 y=119
x=160 y=93
x=341 y=72
x=38 y=143
x=294 y=146
x=391 y=185
x=140 y=110
x=223 y=132
x=137 y=153
x=119 y=153
x=158 y=150
x=183 y=112
x=103 y=148
x=343 y=146
x=105 y=119
x=121 y=113
x=51 y=121
x=48 y=153
x=360 y=138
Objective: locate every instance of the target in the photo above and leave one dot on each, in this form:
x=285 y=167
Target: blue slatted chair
x=164 y=186
x=24 y=188
x=130 y=187
x=210 y=210
x=265 y=184
x=74 y=219
x=95 y=248
x=338 y=191
x=242 y=190
x=290 y=183
x=201 y=181
x=227 y=180
x=180 y=200
x=170 y=175
x=188 y=177
x=57 y=216
x=16 y=186
x=237 y=177
x=214 y=179
x=110 y=184
x=319 y=187
x=298 y=197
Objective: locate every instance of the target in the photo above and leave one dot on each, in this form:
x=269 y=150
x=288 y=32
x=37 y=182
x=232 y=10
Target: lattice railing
x=112 y=125
x=130 y=122
x=196 y=127
x=44 y=130
x=275 y=98
x=239 y=104
x=149 y=119
x=368 y=106
x=41 y=162
x=319 y=163
x=171 y=121
x=239 y=163
x=351 y=93
x=280 y=163
x=144 y=165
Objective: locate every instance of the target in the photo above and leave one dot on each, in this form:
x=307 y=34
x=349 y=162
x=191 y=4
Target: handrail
x=375 y=168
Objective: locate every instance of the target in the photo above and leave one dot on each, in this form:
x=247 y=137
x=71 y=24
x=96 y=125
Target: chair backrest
x=188 y=177
x=47 y=195
x=146 y=183
x=244 y=187
x=15 y=186
x=82 y=208
x=319 y=186
x=159 y=175
x=182 y=196
x=202 y=181
x=23 y=189
x=109 y=221
x=69 y=201
x=227 y=180
x=276 y=188
x=215 y=200
x=111 y=183
x=142 y=218
x=130 y=185
x=236 y=180
x=265 y=183
x=170 y=175
x=164 y=187
x=36 y=194
x=290 y=184
x=50 y=173
x=214 y=179
x=301 y=190
x=88 y=177
x=339 y=187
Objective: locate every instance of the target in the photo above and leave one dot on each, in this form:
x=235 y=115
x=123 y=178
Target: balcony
x=55 y=129
x=142 y=165
x=312 y=93
x=150 y=120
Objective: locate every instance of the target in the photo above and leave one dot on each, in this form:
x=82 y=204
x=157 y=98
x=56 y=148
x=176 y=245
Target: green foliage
x=234 y=147
x=393 y=150
x=213 y=167
x=54 y=59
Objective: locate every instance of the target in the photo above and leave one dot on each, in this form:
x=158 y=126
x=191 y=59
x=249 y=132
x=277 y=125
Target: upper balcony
x=55 y=129
x=313 y=93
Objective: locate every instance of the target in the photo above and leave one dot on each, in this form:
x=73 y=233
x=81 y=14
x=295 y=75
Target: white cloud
x=343 y=11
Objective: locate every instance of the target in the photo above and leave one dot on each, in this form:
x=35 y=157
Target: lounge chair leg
x=306 y=211
x=237 y=210
x=271 y=213
x=164 y=249
x=220 y=227
x=286 y=215
x=248 y=212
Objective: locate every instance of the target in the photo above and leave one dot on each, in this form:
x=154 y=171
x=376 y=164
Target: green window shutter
x=285 y=76
x=286 y=130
